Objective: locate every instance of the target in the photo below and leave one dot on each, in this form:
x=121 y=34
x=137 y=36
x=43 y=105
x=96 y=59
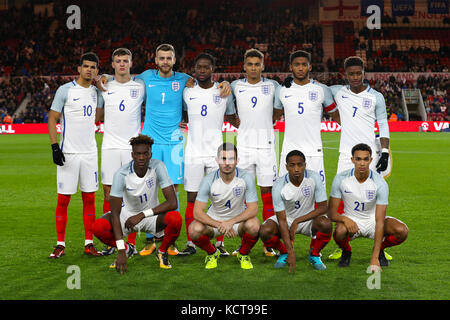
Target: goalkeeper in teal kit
x=163 y=116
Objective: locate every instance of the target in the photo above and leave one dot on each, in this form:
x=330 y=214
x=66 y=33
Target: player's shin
x=188 y=218
x=61 y=218
x=267 y=211
x=390 y=241
x=319 y=242
x=88 y=215
x=247 y=243
x=173 y=222
x=344 y=244
x=276 y=244
x=204 y=243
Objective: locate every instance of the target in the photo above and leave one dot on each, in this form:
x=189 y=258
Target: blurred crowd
x=45 y=47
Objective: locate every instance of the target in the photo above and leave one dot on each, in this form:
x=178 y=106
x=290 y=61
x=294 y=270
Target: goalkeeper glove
x=383 y=162
x=58 y=155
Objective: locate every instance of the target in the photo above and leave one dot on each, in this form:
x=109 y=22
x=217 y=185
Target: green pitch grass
x=419 y=196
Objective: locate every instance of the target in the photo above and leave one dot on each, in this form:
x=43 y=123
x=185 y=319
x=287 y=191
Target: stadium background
x=407 y=60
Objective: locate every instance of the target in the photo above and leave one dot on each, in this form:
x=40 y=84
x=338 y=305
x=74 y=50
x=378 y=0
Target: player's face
x=203 y=70
x=165 y=60
x=355 y=75
x=253 y=66
x=296 y=167
x=227 y=161
x=88 y=70
x=122 y=65
x=141 y=154
x=300 y=68
x=361 y=159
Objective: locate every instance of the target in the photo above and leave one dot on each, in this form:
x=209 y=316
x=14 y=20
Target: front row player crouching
x=294 y=197
x=233 y=210
x=137 y=184
x=365 y=195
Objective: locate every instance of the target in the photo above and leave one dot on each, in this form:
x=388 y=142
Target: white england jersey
x=140 y=193
x=77 y=106
x=254 y=104
x=122 y=104
x=303 y=108
x=358 y=112
x=298 y=201
x=360 y=199
x=227 y=200
x=206 y=110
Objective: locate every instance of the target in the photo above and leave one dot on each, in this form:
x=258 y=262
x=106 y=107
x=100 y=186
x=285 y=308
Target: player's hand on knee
x=383 y=162
x=352 y=227
x=58 y=155
x=121 y=262
x=132 y=221
x=183 y=125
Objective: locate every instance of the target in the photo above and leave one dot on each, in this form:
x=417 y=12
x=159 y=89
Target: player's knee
x=401 y=232
x=324 y=225
x=63 y=200
x=174 y=219
x=265 y=232
x=101 y=228
x=195 y=230
x=252 y=227
x=340 y=232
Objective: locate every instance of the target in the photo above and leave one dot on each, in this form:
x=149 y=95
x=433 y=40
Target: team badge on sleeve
x=371 y=194
x=237 y=191
x=367 y=103
x=175 y=86
x=313 y=95
x=217 y=99
x=134 y=93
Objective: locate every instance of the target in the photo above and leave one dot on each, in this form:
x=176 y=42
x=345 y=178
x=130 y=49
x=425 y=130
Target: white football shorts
x=112 y=160
x=195 y=168
x=262 y=163
x=79 y=168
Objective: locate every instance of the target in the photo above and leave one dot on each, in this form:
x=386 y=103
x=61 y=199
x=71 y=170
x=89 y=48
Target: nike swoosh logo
x=344 y=97
x=76 y=99
x=215 y=195
x=110 y=93
x=128 y=189
x=288 y=96
x=151 y=85
x=345 y=191
x=240 y=91
x=192 y=98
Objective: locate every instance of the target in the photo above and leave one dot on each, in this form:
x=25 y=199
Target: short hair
x=165 y=47
x=141 y=139
x=206 y=56
x=227 y=146
x=353 y=61
x=361 y=147
x=121 y=52
x=254 y=53
x=295 y=153
x=299 y=53
x=89 y=56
